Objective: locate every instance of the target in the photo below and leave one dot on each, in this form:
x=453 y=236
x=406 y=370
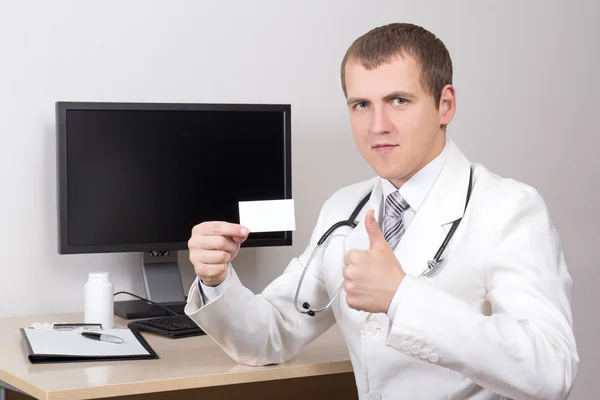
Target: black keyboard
x=175 y=326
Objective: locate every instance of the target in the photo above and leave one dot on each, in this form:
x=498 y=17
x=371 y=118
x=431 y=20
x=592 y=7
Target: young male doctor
x=493 y=319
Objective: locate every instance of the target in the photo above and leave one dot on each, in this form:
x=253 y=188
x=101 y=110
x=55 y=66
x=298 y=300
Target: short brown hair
x=380 y=44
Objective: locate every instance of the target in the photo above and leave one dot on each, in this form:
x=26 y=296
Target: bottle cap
x=98 y=275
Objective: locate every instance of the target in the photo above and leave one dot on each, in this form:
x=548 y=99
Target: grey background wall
x=526 y=75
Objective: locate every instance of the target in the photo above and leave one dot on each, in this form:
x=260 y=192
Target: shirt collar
x=415 y=190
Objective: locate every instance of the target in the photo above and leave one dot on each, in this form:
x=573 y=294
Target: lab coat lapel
x=358 y=238
x=444 y=204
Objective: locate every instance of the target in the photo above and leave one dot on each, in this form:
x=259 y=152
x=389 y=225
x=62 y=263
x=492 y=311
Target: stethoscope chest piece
x=432 y=265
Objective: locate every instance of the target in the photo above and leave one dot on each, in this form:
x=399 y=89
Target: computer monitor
x=137 y=177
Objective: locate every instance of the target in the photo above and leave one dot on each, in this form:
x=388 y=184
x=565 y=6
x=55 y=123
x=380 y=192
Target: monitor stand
x=163 y=286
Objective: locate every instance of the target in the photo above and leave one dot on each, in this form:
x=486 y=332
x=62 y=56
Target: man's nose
x=381 y=122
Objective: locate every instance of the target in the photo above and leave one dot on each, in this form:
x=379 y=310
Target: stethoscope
x=432 y=265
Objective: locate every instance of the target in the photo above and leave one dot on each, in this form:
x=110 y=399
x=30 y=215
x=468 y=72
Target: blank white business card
x=268 y=215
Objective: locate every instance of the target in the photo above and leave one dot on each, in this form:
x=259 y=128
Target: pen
x=102 y=337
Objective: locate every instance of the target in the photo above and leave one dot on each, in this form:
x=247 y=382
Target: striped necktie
x=393 y=225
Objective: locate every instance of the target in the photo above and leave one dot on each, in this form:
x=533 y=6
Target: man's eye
x=360 y=106
x=400 y=101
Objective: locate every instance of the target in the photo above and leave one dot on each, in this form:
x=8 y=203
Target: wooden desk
x=321 y=370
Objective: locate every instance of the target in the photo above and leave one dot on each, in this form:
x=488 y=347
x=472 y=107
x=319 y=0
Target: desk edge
x=174 y=384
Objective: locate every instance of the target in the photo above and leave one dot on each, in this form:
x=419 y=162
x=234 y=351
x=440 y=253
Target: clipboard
x=47 y=346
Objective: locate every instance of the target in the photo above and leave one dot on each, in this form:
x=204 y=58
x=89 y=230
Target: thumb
x=376 y=239
x=244 y=232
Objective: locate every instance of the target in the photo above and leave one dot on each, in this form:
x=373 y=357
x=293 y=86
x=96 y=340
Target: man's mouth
x=384 y=147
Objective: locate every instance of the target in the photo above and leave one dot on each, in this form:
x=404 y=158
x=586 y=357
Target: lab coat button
x=370 y=328
x=415 y=350
x=372 y=395
x=405 y=346
x=424 y=354
x=433 y=358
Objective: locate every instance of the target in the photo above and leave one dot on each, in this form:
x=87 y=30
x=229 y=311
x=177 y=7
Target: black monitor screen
x=140 y=179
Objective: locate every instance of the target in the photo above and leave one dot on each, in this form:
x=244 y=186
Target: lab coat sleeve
x=209 y=293
x=265 y=328
x=525 y=349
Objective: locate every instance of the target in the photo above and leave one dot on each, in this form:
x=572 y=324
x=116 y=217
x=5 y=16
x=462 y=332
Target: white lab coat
x=494 y=321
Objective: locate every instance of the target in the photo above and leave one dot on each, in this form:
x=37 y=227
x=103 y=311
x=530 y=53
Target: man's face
x=395 y=123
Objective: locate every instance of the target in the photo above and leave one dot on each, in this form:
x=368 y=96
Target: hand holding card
x=214 y=244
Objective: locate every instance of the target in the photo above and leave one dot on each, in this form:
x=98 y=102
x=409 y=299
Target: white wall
x=526 y=76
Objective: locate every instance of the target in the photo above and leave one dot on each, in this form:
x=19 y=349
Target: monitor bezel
x=61 y=153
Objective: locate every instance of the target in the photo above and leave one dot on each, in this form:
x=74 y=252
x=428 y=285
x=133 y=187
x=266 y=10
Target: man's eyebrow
x=400 y=94
x=352 y=100
x=388 y=97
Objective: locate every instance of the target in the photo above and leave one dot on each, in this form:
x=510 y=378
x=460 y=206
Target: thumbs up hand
x=372 y=277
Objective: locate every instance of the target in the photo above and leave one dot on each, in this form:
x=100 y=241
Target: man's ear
x=447 y=106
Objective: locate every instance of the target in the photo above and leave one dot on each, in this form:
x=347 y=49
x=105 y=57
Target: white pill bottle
x=99 y=300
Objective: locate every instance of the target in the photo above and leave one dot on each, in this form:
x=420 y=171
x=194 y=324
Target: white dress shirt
x=414 y=191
